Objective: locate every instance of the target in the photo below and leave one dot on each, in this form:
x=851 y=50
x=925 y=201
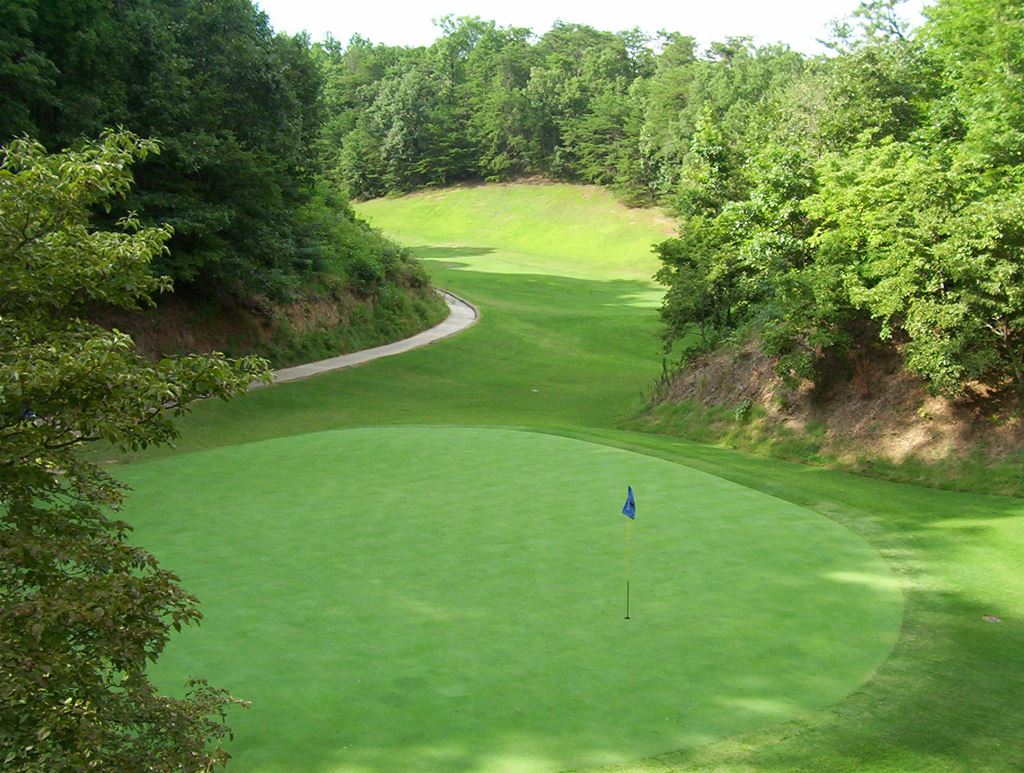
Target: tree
x=498 y=70
x=696 y=300
x=980 y=46
x=237 y=110
x=26 y=74
x=82 y=611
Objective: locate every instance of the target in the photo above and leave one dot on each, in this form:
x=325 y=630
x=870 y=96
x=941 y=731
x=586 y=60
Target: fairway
x=451 y=599
x=386 y=584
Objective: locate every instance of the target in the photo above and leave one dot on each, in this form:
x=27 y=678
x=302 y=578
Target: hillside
x=418 y=563
x=827 y=206
x=872 y=417
x=322 y=324
x=262 y=247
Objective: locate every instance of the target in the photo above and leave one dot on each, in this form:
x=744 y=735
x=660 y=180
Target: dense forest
x=871 y=197
x=238 y=113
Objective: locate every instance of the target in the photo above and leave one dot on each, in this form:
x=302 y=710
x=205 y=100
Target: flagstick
x=629 y=559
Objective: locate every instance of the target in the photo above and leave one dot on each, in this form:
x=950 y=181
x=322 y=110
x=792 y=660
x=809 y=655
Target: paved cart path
x=462 y=315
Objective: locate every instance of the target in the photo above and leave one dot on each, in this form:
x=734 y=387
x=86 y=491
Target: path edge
x=462 y=315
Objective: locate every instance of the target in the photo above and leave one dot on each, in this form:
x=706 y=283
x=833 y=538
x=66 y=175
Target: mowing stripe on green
x=451 y=599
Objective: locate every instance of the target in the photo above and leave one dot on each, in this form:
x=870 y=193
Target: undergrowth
x=747 y=427
x=391 y=316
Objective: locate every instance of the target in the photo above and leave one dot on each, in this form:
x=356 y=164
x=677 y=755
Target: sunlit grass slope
x=552 y=228
x=566 y=343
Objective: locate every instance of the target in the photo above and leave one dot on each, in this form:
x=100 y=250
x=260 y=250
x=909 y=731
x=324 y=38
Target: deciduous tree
x=82 y=611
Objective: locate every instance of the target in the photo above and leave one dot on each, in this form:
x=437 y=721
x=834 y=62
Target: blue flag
x=629 y=509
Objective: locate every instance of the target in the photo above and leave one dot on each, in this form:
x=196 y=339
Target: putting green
x=451 y=599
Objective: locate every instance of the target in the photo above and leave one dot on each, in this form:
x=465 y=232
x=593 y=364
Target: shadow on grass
x=946 y=700
x=429 y=252
x=548 y=351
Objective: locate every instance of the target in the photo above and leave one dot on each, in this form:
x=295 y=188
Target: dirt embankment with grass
x=326 y=321
x=869 y=416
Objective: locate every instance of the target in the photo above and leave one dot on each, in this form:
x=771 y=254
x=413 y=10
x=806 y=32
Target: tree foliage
x=240 y=114
x=82 y=611
x=824 y=201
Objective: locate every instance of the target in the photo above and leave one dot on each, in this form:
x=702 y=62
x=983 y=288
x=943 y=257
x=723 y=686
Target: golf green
x=451 y=599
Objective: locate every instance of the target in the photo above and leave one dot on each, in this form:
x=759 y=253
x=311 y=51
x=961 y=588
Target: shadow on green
x=573 y=356
x=427 y=252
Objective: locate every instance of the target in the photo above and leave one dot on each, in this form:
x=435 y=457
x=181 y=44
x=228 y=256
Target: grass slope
x=568 y=339
x=566 y=343
x=553 y=229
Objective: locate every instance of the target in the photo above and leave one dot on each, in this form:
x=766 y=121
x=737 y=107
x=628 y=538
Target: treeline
x=495 y=103
x=872 y=197
x=239 y=115
x=883 y=207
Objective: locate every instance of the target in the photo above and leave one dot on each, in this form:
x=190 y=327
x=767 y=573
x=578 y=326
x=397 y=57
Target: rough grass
x=568 y=349
x=869 y=416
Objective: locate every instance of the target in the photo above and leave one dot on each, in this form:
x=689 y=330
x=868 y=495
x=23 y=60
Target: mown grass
x=451 y=599
x=566 y=345
x=569 y=336
x=552 y=229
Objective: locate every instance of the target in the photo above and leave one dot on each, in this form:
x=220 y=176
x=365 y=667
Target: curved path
x=462 y=315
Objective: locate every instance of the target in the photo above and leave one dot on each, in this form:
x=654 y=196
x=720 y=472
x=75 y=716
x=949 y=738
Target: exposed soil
x=875 y=409
x=179 y=325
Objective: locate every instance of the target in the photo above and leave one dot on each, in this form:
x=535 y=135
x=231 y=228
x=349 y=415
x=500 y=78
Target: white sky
x=406 y=22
